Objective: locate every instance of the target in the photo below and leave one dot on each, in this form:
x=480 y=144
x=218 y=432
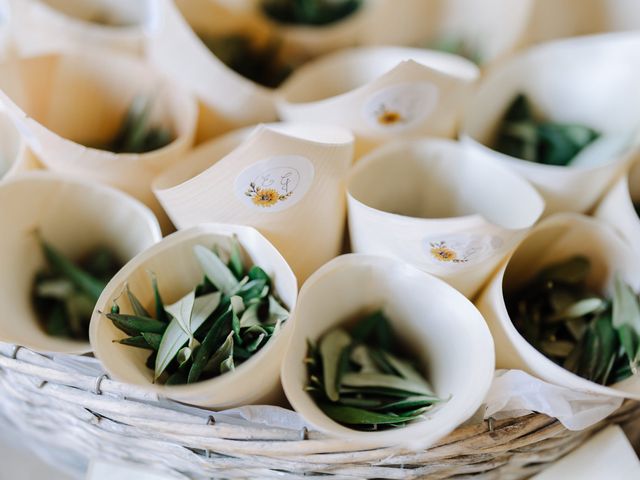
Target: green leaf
x=379 y=380
x=407 y=371
x=134 y=325
x=412 y=402
x=227 y=365
x=219 y=330
x=225 y=350
x=360 y=355
x=557 y=348
x=138 y=308
x=235 y=259
x=215 y=270
x=626 y=320
x=579 y=309
x=181 y=311
x=161 y=314
x=175 y=336
x=276 y=311
x=572 y=271
x=82 y=280
x=331 y=346
x=152 y=339
x=357 y=416
x=250 y=316
x=58 y=288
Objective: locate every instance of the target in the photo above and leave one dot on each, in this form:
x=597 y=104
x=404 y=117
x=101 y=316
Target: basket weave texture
x=67 y=401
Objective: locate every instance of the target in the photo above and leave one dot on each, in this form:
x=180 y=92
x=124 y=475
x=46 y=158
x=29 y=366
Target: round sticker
x=276 y=183
x=461 y=249
x=401 y=106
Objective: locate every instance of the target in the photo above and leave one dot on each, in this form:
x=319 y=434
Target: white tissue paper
x=515 y=393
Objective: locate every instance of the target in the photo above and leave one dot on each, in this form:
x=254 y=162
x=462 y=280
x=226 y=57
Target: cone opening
x=119 y=14
x=561 y=80
x=59 y=208
x=177 y=270
x=85 y=98
x=423 y=312
x=555 y=240
x=435 y=179
x=318 y=79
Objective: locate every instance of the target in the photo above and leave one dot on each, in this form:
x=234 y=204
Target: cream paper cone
x=617 y=207
x=551 y=19
x=556 y=239
x=444 y=331
x=59 y=100
x=440 y=207
x=228 y=100
x=178 y=271
x=303 y=170
x=15 y=157
x=6 y=30
x=75 y=217
x=380 y=93
x=45 y=26
x=588 y=81
x=490 y=29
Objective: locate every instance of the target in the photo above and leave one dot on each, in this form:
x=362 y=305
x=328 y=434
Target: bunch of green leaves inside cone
x=524 y=135
x=590 y=335
x=221 y=323
x=65 y=292
x=360 y=378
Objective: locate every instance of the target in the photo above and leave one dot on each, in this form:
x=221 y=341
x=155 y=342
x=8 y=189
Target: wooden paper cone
x=441 y=208
x=178 y=271
x=15 y=157
x=75 y=217
x=44 y=26
x=551 y=19
x=617 y=208
x=558 y=238
x=288 y=181
x=588 y=81
x=228 y=99
x=444 y=331
x=60 y=100
x=380 y=93
x=484 y=31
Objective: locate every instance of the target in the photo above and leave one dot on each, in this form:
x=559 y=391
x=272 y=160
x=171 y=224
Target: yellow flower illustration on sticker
x=265 y=197
x=444 y=253
x=388 y=117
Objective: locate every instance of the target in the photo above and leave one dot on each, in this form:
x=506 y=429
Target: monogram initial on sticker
x=275 y=183
x=400 y=107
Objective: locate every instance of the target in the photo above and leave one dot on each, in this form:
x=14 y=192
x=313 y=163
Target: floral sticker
x=400 y=107
x=461 y=248
x=275 y=183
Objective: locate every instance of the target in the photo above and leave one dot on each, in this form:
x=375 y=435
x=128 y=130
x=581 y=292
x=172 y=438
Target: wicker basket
x=65 y=400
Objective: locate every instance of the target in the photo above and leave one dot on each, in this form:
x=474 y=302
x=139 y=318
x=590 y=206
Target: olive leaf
x=137 y=307
x=277 y=313
x=331 y=347
x=215 y=270
x=381 y=380
x=176 y=335
x=626 y=319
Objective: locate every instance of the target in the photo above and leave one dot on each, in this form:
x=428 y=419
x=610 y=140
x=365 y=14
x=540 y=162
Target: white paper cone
x=178 y=271
x=59 y=100
x=75 y=218
x=6 y=30
x=228 y=99
x=551 y=19
x=444 y=331
x=489 y=29
x=441 y=208
x=45 y=26
x=589 y=81
x=380 y=93
x=14 y=154
x=556 y=239
x=617 y=207
x=302 y=167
